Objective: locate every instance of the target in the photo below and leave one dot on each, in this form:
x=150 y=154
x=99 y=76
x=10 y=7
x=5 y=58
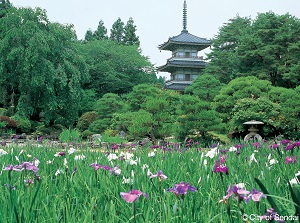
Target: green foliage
x=115 y=68
x=86 y=134
x=239 y=88
x=112 y=139
x=70 y=135
x=266 y=47
x=5 y=6
x=117 y=31
x=40 y=69
x=3 y=111
x=101 y=31
x=260 y=109
x=139 y=95
x=100 y=125
x=196 y=118
x=86 y=120
x=130 y=37
x=206 y=87
x=290 y=104
x=23 y=124
x=223 y=60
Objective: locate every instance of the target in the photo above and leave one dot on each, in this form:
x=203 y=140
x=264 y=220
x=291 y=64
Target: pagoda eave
x=171 y=45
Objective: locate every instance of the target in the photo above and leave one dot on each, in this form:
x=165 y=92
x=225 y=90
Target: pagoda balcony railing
x=180 y=79
x=186 y=57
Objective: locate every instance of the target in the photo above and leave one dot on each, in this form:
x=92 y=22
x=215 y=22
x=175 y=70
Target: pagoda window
x=180 y=54
x=194 y=55
x=180 y=77
x=187 y=54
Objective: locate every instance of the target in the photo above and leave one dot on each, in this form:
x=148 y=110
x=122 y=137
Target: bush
x=86 y=134
x=3 y=111
x=10 y=122
x=86 y=120
x=23 y=124
x=70 y=135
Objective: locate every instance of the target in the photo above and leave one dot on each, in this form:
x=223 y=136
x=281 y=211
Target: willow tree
x=40 y=70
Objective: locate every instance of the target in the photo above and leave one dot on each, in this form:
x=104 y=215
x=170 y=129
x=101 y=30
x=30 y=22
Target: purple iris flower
x=239 y=193
x=96 y=166
x=29 y=182
x=182 y=188
x=116 y=170
x=3 y=143
x=289 y=147
x=11 y=168
x=160 y=176
x=274 y=146
x=285 y=141
x=220 y=168
x=114 y=146
x=30 y=166
x=132 y=195
x=255 y=195
x=290 y=159
x=154 y=146
x=60 y=154
x=297 y=143
x=256 y=144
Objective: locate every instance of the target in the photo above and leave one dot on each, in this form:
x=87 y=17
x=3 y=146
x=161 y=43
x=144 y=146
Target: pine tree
x=117 y=31
x=89 y=35
x=4 y=6
x=101 y=32
x=130 y=37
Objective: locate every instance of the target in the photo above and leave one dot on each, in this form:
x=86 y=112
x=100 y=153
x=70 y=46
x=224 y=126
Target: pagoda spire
x=184 y=16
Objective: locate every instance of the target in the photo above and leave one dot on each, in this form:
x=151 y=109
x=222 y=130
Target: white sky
x=157 y=20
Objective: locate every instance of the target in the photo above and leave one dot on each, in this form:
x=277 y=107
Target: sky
x=157 y=20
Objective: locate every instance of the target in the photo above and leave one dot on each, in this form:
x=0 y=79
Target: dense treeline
x=103 y=84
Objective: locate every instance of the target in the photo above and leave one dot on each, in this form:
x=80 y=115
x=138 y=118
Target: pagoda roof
x=177 y=86
x=187 y=39
x=175 y=63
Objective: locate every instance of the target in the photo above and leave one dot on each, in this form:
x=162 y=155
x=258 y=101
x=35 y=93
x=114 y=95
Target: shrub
x=3 y=111
x=10 y=122
x=70 y=135
x=86 y=120
x=86 y=134
x=23 y=124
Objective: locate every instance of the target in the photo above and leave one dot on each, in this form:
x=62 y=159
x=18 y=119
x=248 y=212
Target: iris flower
x=160 y=176
x=132 y=195
x=290 y=159
x=220 y=168
x=182 y=188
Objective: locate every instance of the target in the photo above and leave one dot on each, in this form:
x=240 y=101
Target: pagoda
x=185 y=65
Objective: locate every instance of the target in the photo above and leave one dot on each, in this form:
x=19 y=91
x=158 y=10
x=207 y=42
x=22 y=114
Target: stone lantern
x=253 y=130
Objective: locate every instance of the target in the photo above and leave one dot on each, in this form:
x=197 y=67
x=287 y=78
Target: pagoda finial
x=184 y=16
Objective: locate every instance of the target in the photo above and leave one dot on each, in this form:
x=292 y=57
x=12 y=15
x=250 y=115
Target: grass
x=88 y=195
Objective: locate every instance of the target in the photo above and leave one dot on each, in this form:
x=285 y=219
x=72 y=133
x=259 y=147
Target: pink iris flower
x=132 y=195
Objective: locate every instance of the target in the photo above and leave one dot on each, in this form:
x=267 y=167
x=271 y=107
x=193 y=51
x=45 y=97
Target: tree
x=196 y=117
x=105 y=107
x=40 y=70
x=239 y=88
x=130 y=37
x=269 y=50
x=5 y=5
x=101 y=31
x=223 y=59
x=206 y=87
x=266 y=47
x=117 y=31
x=115 y=68
x=89 y=35
x=156 y=115
x=259 y=109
